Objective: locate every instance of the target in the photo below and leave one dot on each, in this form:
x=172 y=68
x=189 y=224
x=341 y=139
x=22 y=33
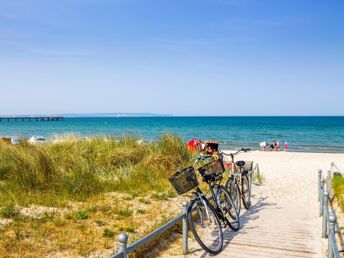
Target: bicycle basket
x=184 y=180
x=248 y=166
x=212 y=167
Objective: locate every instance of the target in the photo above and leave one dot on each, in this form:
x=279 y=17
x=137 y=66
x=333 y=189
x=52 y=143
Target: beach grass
x=91 y=189
x=258 y=178
x=338 y=188
x=76 y=169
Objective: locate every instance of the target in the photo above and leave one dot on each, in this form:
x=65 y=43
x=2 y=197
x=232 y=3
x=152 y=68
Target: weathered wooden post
x=319 y=186
x=185 y=227
x=325 y=215
x=123 y=243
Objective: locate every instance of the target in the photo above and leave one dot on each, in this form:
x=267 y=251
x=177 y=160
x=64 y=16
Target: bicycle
x=206 y=215
x=224 y=205
x=239 y=180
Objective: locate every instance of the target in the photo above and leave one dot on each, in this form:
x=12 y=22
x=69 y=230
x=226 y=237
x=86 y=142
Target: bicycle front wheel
x=246 y=191
x=227 y=207
x=205 y=225
x=234 y=191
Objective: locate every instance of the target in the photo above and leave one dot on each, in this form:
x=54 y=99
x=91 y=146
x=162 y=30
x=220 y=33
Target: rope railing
x=329 y=220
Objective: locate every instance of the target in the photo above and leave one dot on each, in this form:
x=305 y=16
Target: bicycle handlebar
x=207 y=156
x=235 y=153
x=201 y=157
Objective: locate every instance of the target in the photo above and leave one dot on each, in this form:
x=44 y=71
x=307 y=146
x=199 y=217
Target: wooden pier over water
x=31 y=118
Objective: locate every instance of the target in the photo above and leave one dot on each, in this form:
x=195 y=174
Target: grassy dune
x=74 y=196
x=338 y=188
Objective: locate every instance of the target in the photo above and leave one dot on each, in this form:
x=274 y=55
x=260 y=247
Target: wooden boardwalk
x=284 y=219
x=266 y=233
x=272 y=228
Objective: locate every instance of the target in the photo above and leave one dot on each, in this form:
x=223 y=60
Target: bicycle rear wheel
x=205 y=225
x=227 y=207
x=234 y=191
x=245 y=191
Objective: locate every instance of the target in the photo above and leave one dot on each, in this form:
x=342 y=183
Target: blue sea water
x=310 y=134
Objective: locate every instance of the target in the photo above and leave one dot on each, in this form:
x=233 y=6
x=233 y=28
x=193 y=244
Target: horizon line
x=134 y=114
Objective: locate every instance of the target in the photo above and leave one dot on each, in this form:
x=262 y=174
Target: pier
x=31 y=118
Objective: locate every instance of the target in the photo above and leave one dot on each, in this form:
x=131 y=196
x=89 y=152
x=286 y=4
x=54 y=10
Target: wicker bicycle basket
x=248 y=166
x=184 y=180
x=212 y=167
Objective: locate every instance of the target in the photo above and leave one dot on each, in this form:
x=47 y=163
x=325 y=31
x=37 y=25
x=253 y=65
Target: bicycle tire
x=245 y=191
x=227 y=208
x=198 y=212
x=234 y=191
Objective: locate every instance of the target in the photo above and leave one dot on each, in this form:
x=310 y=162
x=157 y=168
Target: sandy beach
x=107 y=104
x=284 y=219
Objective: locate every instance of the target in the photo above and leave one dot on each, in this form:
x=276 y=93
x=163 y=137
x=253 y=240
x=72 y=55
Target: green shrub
x=108 y=233
x=129 y=229
x=82 y=214
x=9 y=210
x=124 y=212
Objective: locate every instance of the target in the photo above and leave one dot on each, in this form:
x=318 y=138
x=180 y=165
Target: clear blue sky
x=215 y=57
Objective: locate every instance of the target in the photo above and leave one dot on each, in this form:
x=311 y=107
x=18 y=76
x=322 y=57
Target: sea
x=303 y=134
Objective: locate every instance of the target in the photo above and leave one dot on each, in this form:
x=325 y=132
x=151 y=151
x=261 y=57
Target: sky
x=180 y=57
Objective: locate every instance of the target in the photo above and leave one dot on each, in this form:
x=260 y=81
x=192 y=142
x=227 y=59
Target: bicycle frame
x=198 y=194
x=214 y=190
x=237 y=176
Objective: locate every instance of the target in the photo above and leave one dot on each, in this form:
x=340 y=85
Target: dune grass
x=97 y=187
x=76 y=169
x=338 y=188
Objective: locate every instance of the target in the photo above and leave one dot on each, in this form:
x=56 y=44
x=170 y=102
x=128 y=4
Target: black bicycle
x=207 y=215
x=220 y=198
x=239 y=180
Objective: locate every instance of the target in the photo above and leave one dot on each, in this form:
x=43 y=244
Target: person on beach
x=278 y=147
x=272 y=146
x=285 y=146
x=263 y=146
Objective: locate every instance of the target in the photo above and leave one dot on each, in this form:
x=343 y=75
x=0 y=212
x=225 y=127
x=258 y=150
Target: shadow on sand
x=251 y=214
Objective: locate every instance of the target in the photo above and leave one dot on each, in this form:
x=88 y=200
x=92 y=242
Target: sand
x=284 y=219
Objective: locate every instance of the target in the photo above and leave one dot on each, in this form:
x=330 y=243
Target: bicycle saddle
x=240 y=163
